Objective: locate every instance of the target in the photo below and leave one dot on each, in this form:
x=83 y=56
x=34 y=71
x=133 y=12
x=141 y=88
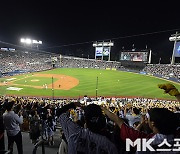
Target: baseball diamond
x=77 y=82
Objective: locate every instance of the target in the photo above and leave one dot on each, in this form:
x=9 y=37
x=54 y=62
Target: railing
x=40 y=142
x=5 y=152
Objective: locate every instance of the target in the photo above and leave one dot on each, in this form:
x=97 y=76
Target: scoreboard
x=105 y=51
x=141 y=56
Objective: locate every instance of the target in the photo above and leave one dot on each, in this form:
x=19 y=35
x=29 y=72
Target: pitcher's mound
x=64 y=82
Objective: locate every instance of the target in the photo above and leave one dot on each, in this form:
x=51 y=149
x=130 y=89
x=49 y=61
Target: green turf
x=35 y=81
x=110 y=83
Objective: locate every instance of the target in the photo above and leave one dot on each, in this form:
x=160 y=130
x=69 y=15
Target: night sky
x=59 y=24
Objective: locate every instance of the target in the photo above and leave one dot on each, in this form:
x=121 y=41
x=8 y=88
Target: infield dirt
x=64 y=82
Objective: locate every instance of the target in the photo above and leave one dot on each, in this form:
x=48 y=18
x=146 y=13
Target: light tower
x=175 y=38
x=103 y=49
x=28 y=41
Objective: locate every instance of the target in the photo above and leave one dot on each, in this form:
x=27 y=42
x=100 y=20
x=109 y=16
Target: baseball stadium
x=89 y=77
x=58 y=76
x=39 y=88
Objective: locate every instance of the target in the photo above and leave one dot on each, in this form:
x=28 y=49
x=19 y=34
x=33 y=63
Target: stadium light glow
x=28 y=41
x=36 y=42
x=99 y=44
x=174 y=38
x=22 y=40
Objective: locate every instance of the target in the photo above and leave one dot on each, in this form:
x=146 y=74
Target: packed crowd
x=24 y=60
x=90 y=125
x=166 y=70
x=29 y=61
x=74 y=62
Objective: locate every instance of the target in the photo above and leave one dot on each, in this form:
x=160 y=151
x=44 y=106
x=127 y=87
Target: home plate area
x=14 y=88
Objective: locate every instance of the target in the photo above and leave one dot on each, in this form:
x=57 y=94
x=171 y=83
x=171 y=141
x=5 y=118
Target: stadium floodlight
x=26 y=41
x=36 y=42
x=175 y=38
x=94 y=44
x=100 y=44
x=111 y=44
x=22 y=40
x=105 y=44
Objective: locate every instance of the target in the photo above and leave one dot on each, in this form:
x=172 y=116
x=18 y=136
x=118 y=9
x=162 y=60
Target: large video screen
x=102 y=50
x=99 y=51
x=134 y=56
x=177 y=50
x=106 y=51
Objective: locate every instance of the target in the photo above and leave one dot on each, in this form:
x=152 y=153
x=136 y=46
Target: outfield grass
x=110 y=83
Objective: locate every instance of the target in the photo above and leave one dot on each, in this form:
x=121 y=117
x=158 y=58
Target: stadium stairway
x=28 y=146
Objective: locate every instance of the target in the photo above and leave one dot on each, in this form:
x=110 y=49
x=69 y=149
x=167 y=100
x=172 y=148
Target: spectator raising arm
x=113 y=117
x=69 y=127
x=126 y=132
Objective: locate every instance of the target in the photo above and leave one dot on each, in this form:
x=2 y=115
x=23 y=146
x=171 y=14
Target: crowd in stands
x=29 y=61
x=24 y=61
x=166 y=70
x=91 y=125
x=72 y=62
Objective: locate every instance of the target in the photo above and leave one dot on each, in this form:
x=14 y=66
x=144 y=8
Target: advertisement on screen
x=99 y=51
x=106 y=51
x=177 y=50
x=134 y=56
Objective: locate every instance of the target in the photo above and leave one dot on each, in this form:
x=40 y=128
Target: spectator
x=143 y=125
x=132 y=117
x=163 y=123
x=166 y=70
x=157 y=120
x=11 y=123
x=34 y=127
x=2 y=145
x=90 y=140
x=50 y=127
